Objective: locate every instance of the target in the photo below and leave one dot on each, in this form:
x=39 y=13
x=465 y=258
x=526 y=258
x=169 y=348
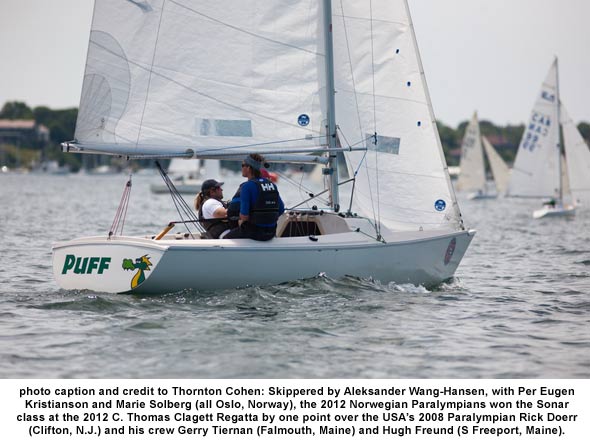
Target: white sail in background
x=158 y=81
x=578 y=160
x=536 y=169
x=402 y=180
x=500 y=169
x=472 y=177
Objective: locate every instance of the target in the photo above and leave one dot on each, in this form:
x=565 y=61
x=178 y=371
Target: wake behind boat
x=238 y=84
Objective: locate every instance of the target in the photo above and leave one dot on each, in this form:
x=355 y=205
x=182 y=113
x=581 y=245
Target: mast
x=331 y=102
x=558 y=131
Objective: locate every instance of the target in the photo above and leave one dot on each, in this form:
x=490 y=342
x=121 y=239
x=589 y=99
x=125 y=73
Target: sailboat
x=537 y=170
x=202 y=79
x=472 y=175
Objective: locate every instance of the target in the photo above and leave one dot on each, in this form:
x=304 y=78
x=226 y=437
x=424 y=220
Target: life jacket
x=233 y=209
x=214 y=227
x=266 y=207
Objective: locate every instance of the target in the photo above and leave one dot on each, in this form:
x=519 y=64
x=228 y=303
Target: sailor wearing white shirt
x=212 y=211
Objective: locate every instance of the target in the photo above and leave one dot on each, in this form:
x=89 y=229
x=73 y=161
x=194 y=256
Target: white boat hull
x=554 y=211
x=97 y=263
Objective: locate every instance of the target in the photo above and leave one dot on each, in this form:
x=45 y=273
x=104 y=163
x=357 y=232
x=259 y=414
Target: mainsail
x=164 y=77
x=536 y=170
x=472 y=177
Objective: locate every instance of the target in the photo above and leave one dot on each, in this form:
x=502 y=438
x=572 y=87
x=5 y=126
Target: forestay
x=536 y=169
x=169 y=76
x=381 y=89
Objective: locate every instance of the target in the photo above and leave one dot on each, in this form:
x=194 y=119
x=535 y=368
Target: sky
x=489 y=56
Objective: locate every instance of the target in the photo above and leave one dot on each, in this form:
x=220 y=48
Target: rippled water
x=519 y=306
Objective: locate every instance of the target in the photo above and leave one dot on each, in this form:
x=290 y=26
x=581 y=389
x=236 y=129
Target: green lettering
x=104 y=264
x=68 y=263
x=80 y=269
x=93 y=264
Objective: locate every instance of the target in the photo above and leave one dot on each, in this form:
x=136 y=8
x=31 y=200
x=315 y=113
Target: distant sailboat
x=500 y=170
x=472 y=176
x=537 y=170
x=185 y=174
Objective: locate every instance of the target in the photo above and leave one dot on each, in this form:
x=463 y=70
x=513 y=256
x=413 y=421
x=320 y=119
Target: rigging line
x=263 y=144
x=377 y=20
x=318 y=194
x=367 y=172
x=235 y=28
x=358 y=112
x=308 y=200
x=378 y=219
x=354 y=173
x=126 y=207
x=150 y=70
x=179 y=203
x=390 y=97
x=378 y=231
x=121 y=210
x=293 y=182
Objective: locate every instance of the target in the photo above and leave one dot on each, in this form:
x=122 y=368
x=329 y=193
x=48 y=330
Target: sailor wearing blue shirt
x=260 y=203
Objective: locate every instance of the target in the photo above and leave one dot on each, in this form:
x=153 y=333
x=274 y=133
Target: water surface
x=519 y=306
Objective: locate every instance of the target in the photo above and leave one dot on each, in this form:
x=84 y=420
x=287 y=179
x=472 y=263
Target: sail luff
x=456 y=216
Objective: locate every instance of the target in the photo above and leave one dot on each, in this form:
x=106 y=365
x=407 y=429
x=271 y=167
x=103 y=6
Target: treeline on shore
x=61 y=124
